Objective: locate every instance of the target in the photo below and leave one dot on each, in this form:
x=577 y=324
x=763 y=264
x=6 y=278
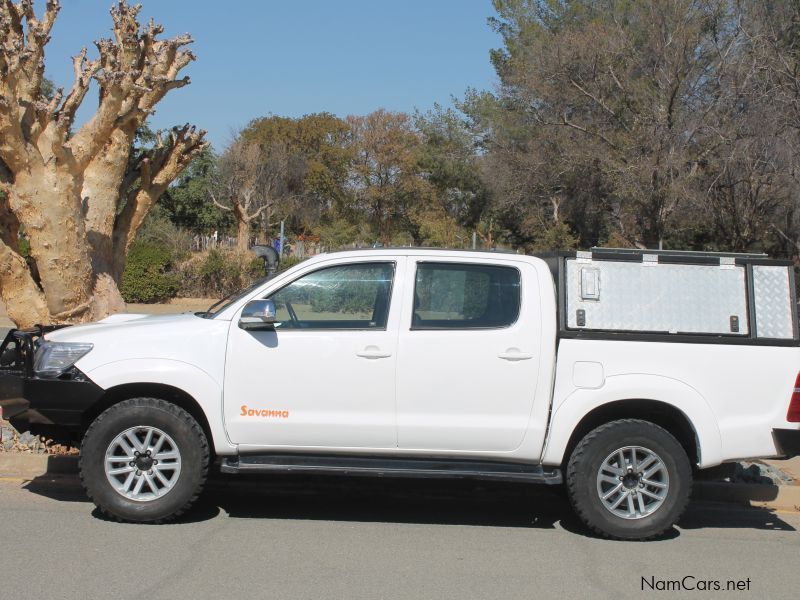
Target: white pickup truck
x=616 y=372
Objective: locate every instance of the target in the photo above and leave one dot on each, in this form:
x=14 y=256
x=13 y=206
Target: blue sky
x=301 y=56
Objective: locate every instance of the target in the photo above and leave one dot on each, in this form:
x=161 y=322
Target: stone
x=27 y=438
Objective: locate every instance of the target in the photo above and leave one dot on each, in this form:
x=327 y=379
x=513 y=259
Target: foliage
x=451 y=165
x=670 y=123
x=159 y=230
x=386 y=182
x=384 y=178
x=287 y=262
x=24 y=247
x=147 y=276
x=337 y=233
x=218 y=273
x=187 y=203
x=666 y=123
x=318 y=147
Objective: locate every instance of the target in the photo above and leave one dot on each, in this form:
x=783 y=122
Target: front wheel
x=629 y=479
x=144 y=460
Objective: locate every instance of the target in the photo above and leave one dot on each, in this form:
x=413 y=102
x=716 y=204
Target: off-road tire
x=153 y=412
x=592 y=450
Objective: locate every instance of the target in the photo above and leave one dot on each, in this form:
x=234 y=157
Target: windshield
x=221 y=305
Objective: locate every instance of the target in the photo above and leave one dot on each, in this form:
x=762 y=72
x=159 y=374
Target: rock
x=27 y=438
x=6 y=433
x=755 y=472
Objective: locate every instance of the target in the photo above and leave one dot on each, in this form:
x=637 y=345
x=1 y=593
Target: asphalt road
x=294 y=537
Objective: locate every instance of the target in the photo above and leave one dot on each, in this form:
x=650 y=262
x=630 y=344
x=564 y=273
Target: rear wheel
x=144 y=460
x=629 y=479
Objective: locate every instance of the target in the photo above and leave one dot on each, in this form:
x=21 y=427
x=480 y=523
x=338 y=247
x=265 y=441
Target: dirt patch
x=174 y=306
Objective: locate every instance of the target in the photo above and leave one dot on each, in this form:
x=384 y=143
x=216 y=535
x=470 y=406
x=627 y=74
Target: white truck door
x=468 y=354
x=325 y=376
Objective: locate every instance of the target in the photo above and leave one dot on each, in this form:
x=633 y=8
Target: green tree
x=187 y=203
x=448 y=160
x=387 y=184
x=320 y=158
x=605 y=115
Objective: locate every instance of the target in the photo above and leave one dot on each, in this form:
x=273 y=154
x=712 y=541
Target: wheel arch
x=665 y=415
x=188 y=386
x=169 y=393
x=665 y=401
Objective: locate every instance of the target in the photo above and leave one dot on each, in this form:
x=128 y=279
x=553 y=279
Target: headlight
x=53 y=358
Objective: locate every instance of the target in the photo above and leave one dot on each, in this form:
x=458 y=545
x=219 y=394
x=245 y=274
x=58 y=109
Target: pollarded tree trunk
x=80 y=198
x=46 y=199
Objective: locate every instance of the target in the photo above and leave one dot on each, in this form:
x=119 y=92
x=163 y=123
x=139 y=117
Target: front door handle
x=514 y=355
x=373 y=352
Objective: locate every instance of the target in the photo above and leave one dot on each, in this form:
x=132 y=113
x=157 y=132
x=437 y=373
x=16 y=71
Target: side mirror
x=258 y=315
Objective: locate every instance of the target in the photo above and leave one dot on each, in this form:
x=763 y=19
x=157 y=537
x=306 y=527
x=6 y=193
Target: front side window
x=342 y=297
x=464 y=296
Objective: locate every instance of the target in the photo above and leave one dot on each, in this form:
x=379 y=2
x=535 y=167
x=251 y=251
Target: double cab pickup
x=616 y=373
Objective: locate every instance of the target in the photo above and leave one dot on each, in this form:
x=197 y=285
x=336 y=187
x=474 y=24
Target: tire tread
x=159 y=404
x=573 y=480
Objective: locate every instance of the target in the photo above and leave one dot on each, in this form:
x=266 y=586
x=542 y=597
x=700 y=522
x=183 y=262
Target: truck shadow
x=427 y=502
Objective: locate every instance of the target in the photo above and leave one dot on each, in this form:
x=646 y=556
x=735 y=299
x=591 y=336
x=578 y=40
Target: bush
x=287 y=262
x=160 y=231
x=147 y=277
x=218 y=273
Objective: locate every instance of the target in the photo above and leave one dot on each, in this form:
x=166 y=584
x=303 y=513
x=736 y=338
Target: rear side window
x=464 y=296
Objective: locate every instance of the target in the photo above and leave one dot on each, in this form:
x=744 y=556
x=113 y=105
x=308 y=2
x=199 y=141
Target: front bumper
x=53 y=407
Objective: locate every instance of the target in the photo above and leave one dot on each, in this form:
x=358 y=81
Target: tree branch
x=159 y=167
x=135 y=71
x=217 y=204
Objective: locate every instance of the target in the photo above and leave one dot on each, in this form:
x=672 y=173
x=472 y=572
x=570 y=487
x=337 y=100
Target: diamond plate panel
x=660 y=297
x=773 y=302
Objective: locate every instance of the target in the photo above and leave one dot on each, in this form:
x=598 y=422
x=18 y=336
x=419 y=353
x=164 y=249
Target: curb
x=775 y=497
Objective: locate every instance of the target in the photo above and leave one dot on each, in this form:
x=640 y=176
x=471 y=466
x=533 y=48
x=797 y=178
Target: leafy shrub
x=218 y=273
x=287 y=262
x=147 y=277
x=159 y=230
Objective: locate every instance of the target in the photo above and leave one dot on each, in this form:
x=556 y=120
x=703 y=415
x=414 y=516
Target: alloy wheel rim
x=632 y=482
x=142 y=463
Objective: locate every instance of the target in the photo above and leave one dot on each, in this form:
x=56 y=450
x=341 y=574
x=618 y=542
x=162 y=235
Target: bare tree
x=79 y=196
x=249 y=184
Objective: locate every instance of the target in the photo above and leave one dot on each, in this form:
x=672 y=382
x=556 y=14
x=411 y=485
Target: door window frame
x=449 y=263
x=323 y=267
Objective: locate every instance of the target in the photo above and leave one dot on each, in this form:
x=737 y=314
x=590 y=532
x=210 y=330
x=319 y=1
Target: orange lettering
x=263 y=413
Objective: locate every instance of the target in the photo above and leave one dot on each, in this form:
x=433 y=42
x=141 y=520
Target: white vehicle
x=617 y=372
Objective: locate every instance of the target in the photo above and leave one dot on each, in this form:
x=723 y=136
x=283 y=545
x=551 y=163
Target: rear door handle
x=373 y=352
x=514 y=355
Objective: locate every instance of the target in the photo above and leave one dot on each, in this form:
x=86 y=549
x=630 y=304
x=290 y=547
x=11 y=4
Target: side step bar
x=390 y=467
